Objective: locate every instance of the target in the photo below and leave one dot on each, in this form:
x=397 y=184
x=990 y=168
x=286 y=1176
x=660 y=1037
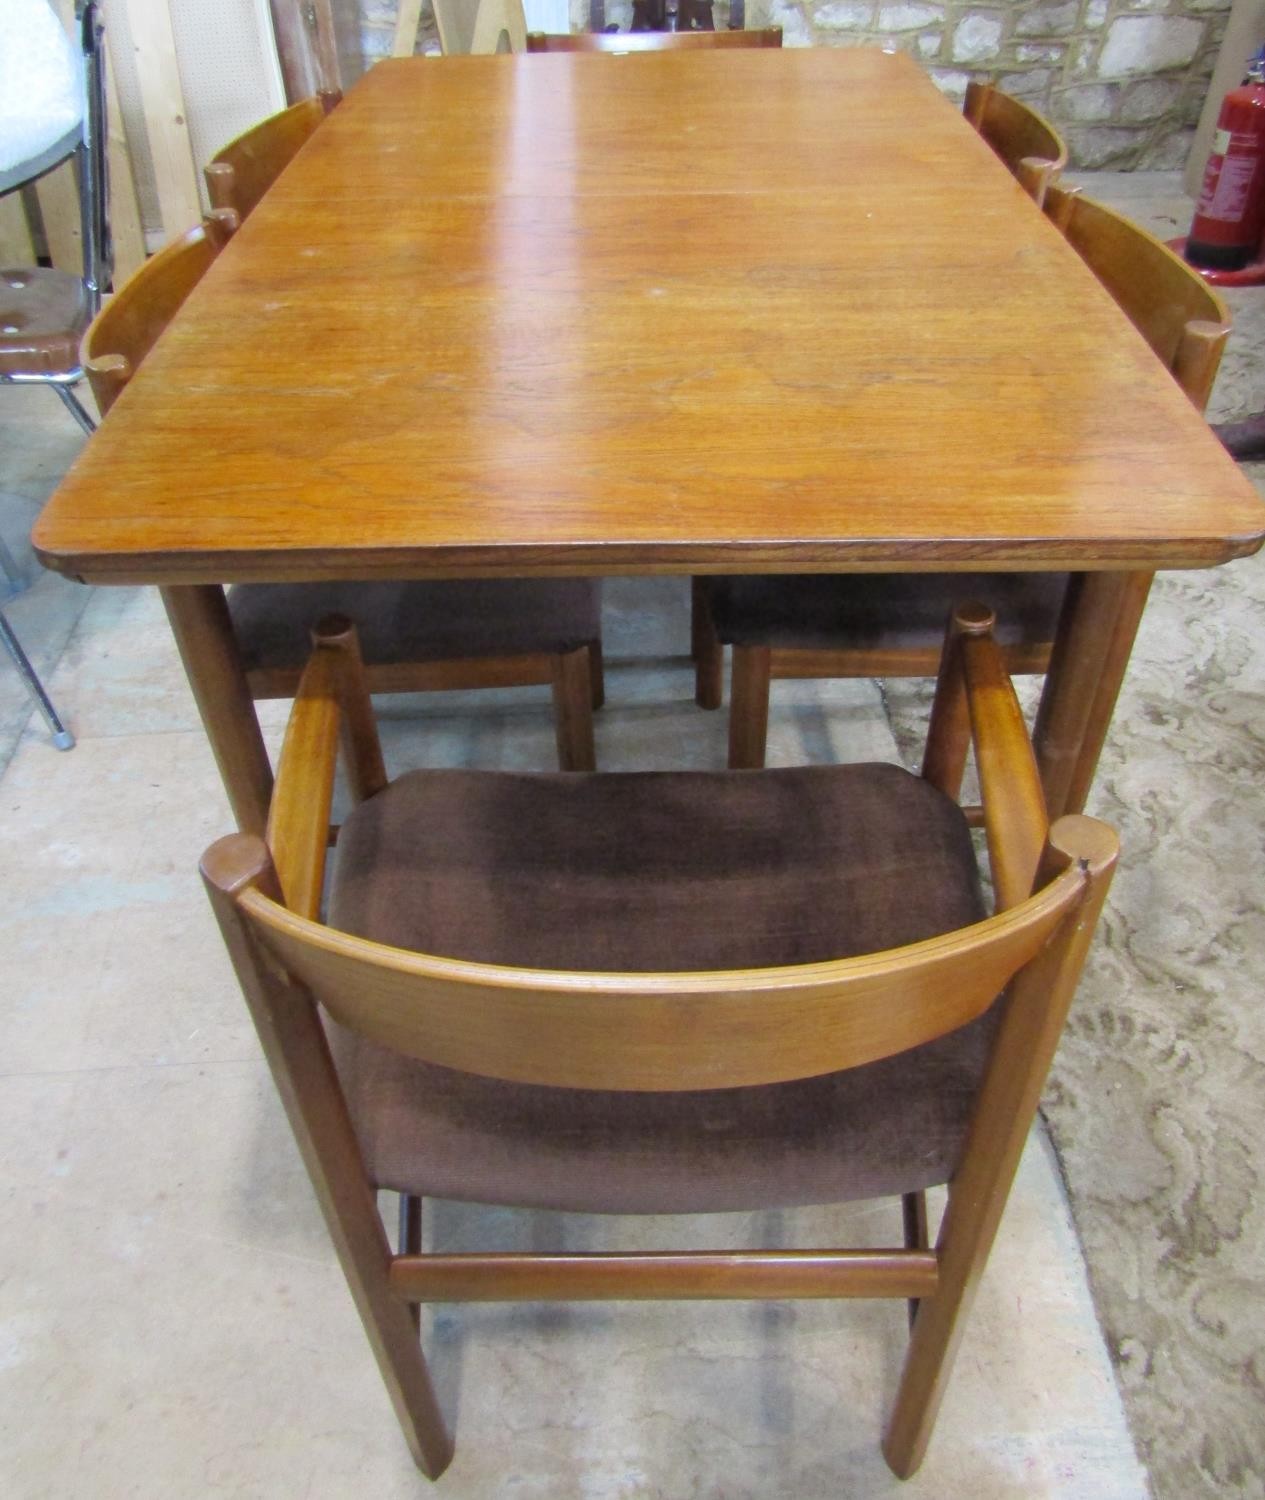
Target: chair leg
x=62 y=736
x=410 y=1241
x=573 y=710
x=705 y=648
x=75 y=407
x=914 y=1211
x=597 y=674
x=749 y=707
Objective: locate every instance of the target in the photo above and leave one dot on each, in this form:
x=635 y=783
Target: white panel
x=229 y=74
x=551 y=16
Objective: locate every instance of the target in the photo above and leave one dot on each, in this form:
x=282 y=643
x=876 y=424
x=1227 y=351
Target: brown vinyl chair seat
x=876 y=612
x=43 y=316
x=672 y=871
x=416 y=622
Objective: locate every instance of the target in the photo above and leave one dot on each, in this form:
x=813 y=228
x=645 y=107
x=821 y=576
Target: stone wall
x=1123 y=80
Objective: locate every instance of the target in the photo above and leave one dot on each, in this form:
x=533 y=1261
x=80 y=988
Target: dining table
x=660 y=313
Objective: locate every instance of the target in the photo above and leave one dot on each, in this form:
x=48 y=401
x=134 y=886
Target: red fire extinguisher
x=1230 y=214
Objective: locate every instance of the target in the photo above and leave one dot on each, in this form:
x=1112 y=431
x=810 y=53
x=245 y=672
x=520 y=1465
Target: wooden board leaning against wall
x=43 y=219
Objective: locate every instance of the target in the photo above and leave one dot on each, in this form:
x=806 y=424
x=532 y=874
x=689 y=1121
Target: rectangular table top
x=746 y=310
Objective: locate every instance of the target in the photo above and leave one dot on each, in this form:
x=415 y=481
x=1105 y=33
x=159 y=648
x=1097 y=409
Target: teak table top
x=659 y=312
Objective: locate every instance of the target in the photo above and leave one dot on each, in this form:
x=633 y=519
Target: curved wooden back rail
x=1185 y=321
x=1025 y=140
x=651 y=41
x=128 y=326
x=240 y=174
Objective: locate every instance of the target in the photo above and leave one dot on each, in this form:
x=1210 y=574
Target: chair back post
x=297 y=1052
x=1034 y=1012
x=949 y=730
x=975 y=105
x=1198 y=358
x=331 y=706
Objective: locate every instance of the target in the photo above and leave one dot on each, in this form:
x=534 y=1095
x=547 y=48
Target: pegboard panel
x=228 y=73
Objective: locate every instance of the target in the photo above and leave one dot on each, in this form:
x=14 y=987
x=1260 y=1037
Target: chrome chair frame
x=88 y=147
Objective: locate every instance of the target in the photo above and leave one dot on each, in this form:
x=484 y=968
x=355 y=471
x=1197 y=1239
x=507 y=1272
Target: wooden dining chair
x=651 y=41
x=240 y=174
x=1025 y=140
x=887 y=625
x=418 y=637
x=697 y=963
x=480 y=27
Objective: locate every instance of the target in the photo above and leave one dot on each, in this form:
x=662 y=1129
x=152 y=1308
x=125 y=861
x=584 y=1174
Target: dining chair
x=650 y=41
x=480 y=26
x=1025 y=140
x=418 y=636
x=887 y=625
x=627 y=993
x=44 y=310
x=240 y=174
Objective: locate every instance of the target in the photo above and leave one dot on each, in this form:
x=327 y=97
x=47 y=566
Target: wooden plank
x=58 y=195
x=406 y=24
x=162 y=97
x=125 y=214
x=16 y=248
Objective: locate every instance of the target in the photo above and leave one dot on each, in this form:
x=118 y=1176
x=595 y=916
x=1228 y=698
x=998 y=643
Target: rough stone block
x=1048 y=20
x=1150 y=99
x=929 y=43
x=1168 y=152
x=1090 y=102
x=840 y=16
x=1028 y=53
x=908 y=16
x=1149 y=44
x=977 y=37
x=950 y=81
x=1026 y=85
x=1105 y=145
x=1095 y=13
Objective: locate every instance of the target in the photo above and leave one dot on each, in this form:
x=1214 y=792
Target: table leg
x=1091 y=653
x=204 y=634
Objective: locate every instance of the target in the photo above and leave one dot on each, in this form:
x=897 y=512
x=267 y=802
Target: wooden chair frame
x=133 y=320
x=1186 y=324
x=651 y=1031
x=1025 y=140
x=240 y=174
x=651 y=41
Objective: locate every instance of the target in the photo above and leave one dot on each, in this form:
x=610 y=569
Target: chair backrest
x=639 y=1031
x=238 y=176
x=1026 y=141
x=128 y=326
x=480 y=26
x=651 y=41
x=1183 y=319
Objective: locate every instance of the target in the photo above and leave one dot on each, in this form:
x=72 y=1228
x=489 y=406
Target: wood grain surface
x=488 y=322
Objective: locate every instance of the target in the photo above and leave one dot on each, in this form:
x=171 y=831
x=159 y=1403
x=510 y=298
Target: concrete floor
x=172 y=1320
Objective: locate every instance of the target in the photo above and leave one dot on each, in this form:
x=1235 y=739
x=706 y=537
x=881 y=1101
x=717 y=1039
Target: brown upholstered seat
x=801 y=866
x=414 y=622
x=43 y=315
x=880 y=611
